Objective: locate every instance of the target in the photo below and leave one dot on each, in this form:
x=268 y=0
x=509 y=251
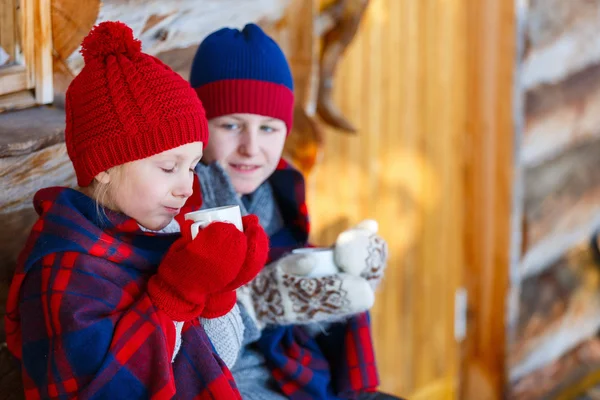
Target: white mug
x=202 y=218
x=323 y=259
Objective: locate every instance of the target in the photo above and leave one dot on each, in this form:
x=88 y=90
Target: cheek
x=219 y=148
x=146 y=191
x=134 y=198
x=275 y=150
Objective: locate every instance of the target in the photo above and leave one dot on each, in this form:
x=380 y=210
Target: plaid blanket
x=338 y=365
x=80 y=321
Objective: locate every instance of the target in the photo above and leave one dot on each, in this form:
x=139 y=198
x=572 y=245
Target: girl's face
x=153 y=190
x=248 y=147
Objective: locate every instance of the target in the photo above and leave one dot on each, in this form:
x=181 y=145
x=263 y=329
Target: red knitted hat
x=126 y=105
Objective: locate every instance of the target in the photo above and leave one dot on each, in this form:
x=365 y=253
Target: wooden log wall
x=559 y=290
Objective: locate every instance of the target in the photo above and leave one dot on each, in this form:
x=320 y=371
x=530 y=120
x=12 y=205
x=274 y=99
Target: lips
x=244 y=168
x=173 y=210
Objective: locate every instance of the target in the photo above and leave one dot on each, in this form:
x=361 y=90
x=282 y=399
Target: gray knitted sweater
x=235 y=334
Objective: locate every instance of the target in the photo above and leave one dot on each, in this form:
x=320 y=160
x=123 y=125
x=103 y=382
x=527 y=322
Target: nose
x=184 y=186
x=249 y=142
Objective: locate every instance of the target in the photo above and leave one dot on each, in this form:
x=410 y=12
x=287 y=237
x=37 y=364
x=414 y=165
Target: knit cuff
x=230 y=96
x=174 y=132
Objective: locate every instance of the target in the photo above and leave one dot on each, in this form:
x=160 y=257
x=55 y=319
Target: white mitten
x=359 y=251
x=282 y=294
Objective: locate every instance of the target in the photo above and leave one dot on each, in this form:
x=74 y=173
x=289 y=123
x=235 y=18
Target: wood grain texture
x=561 y=116
x=562 y=205
x=403 y=168
x=8 y=30
x=26 y=131
x=569 y=377
x=44 y=89
x=561 y=40
x=164 y=26
x=71 y=20
x=35 y=54
x=558 y=298
x=558 y=309
x=489 y=183
x=22 y=176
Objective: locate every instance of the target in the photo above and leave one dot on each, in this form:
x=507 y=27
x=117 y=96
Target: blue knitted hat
x=243 y=72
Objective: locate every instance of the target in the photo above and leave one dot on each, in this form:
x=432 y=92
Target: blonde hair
x=103 y=193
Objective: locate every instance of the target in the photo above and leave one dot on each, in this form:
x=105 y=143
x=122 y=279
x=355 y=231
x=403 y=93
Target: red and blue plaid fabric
x=80 y=321
x=340 y=364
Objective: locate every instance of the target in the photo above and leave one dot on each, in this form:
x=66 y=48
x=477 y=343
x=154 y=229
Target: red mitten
x=219 y=304
x=193 y=269
x=257 y=251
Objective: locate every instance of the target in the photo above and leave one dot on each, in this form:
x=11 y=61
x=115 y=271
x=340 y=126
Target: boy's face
x=248 y=147
x=153 y=190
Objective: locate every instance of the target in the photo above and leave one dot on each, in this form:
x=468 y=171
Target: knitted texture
x=226 y=334
x=126 y=105
x=243 y=72
x=194 y=269
x=196 y=279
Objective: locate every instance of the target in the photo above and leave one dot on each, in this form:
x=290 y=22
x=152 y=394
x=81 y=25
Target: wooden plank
x=162 y=27
x=23 y=132
x=180 y=60
x=17 y=101
x=562 y=205
x=71 y=21
x=558 y=309
x=35 y=27
x=569 y=377
x=490 y=52
x=185 y=24
x=22 y=176
x=562 y=116
x=13 y=79
x=8 y=38
x=396 y=171
x=27 y=20
x=560 y=38
x=44 y=93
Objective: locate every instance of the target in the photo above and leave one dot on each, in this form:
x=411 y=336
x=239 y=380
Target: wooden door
x=429 y=85
x=401 y=83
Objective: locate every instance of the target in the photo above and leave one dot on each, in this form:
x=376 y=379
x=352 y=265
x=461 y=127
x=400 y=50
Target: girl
x=245 y=84
x=107 y=294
